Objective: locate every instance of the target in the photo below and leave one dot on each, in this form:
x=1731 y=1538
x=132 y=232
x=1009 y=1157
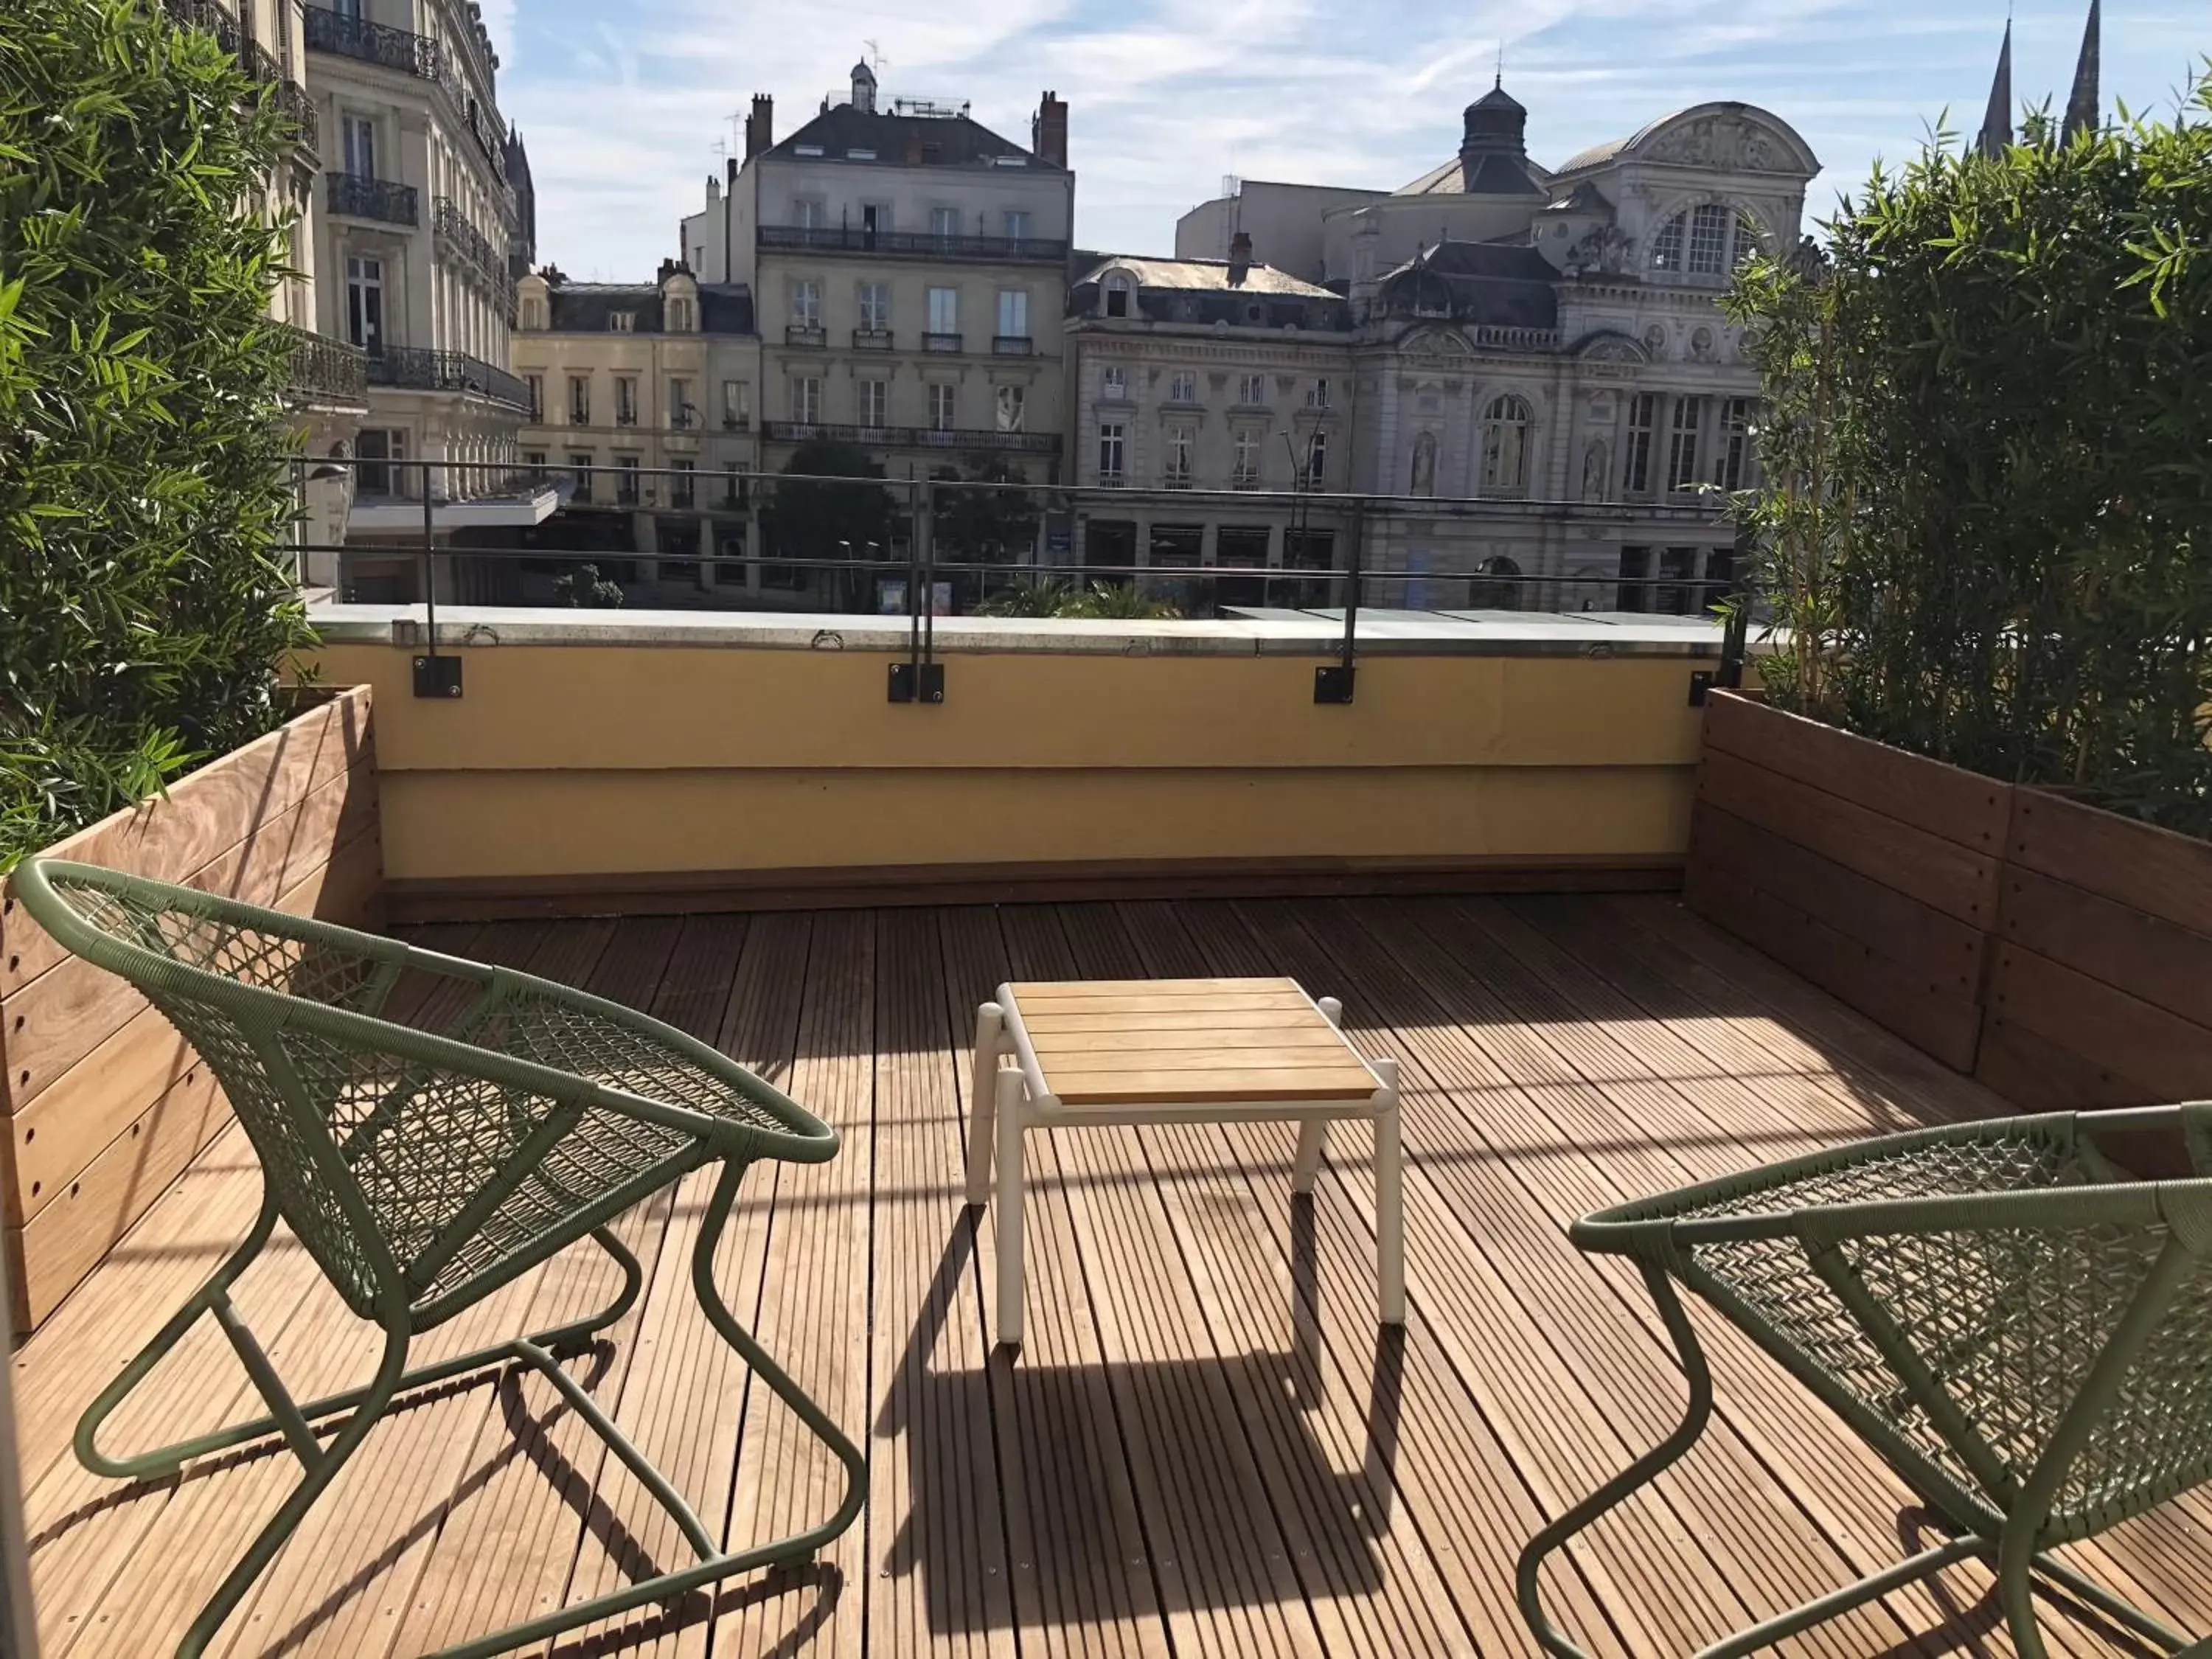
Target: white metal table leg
x=1389 y=1197
x=1011 y=1090
x=1313 y=1133
x=983 y=1100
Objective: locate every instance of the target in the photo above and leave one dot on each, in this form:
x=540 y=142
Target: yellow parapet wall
x=602 y=764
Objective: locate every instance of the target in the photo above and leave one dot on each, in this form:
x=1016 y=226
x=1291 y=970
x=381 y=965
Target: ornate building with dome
x=1539 y=350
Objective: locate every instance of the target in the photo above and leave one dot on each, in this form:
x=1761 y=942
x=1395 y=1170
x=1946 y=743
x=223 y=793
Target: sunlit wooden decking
x=1204 y=1449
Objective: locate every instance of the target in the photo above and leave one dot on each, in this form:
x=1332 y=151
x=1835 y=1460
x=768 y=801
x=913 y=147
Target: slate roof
x=584 y=308
x=934 y=140
x=1495 y=174
x=1204 y=274
x=1198 y=292
x=1477 y=283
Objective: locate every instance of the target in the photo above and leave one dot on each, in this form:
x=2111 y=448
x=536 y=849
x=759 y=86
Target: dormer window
x=679 y=316
x=860 y=155
x=1117 y=296
x=806 y=149
x=622 y=322
x=1709 y=239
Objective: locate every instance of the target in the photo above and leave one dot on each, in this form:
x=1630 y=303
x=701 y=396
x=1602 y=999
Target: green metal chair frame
x=2021 y=1330
x=423 y=1170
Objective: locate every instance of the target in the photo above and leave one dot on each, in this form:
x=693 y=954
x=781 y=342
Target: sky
x=623 y=103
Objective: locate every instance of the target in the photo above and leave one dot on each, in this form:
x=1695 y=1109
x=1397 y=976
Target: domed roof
x=1500 y=100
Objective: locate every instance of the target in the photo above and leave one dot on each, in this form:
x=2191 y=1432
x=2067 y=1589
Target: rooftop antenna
x=875 y=59
x=1497 y=81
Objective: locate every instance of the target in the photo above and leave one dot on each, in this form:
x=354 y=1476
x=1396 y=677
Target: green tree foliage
x=584 y=588
x=816 y=515
x=1985 y=525
x=1053 y=596
x=145 y=612
x=974 y=523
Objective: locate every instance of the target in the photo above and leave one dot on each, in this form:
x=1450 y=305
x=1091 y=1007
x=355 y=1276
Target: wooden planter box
x=2059 y=952
x=104 y=1104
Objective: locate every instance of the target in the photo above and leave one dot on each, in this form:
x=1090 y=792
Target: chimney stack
x=760 y=126
x=1240 y=258
x=1049 y=130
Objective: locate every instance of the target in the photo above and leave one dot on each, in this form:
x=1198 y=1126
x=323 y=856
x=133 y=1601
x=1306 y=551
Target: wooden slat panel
x=2169 y=1056
x=2144 y=955
x=1137 y=1060
x=1148 y=1039
x=1226 y=1002
x=1948 y=1026
x=202 y=817
x=1945 y=800
x=1957 y=880
x=2039 y=1075
x=63 y=1015
x=1730 y=853
x=2154 y=870
x=1229 y=1019
x=1040 y=991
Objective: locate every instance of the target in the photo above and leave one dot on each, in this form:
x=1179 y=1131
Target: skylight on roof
x=1009 y=161
x=860 y=155
x=806 y=149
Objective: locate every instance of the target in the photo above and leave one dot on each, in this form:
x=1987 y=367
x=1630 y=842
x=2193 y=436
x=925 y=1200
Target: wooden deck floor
x=1205 y=1448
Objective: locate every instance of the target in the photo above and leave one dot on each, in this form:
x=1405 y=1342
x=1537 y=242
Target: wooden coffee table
x=1090 y=1052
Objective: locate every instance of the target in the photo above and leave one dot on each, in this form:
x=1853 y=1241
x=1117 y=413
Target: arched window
x=1709 y=240
x=1424 y=480
x=1505 y=446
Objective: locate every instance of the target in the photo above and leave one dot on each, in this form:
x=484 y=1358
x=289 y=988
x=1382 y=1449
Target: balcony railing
x=911 y=244
x=372 y=198
x=940 y=342
x=292 y=98
x=871 y=339
x=371 y=43
x=462 y=246
x=417 y=369
x=914 y=437
x=206 y=16
x=324 y=370
x=1012 y=345
x=804 y=334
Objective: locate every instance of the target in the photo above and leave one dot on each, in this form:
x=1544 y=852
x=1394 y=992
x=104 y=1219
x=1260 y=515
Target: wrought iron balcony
x=323 y=370
x=871 y=339
x=372 y=198
x=371 y=43
x=462 y=246
x=912 y=244
x=974 y=441
x=416 y=370
x=940 y=342
x=804 y=334
x=1012 y=345
x=292 y=98
x=206 y=16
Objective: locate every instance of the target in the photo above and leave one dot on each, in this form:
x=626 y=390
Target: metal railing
x=871 y=339
x=465 y=247
x=357 y=37
x=361 y=197
x=980 y=441
x=294 y=100
x=418 y=369
x=940 y=342
x=911 y=244
x=759 y=543
x=1012 y=345
x=208 y=17
x=805 y=334
x=326 y=369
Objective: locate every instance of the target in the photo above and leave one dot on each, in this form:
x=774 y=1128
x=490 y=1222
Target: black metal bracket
x=1333 y=682
x=917 y=681
x=1701 y=681
x=437 y=677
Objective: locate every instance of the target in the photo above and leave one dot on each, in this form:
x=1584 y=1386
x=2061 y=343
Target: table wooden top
x=1151 y=1042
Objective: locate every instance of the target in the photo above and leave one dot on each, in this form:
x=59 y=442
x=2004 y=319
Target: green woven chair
x=423 y=1170
x=2021 y=1330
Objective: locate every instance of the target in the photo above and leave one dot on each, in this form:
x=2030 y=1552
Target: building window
x=1318 y=397
x=626 y=481
x=1117 y=296
x=365 y=303
x=580 y=474
x=1244 y=458
x=1017 y=225
x=1182 y=386
x=1013 y=314
x=875 y=307
x=1175 y=470
x=732 y=495
x=875 y=402
x=359 y=146
x=534 y=461
x=682 y=413
x=580 y=400
x=1709 y=229
x=945 y=222
x=536 y=385
x=1667 y=246
x=1013 y=406
x=1505 y=446
x=622 y=322
x=809 y=212
x=1315 y=474
x=377 y=446
x=680 y=486
x=1252 y=390
x=1111 y=450
x=1632 y=594
x=1682 y=443
x=533 y=314
x=679 y=316
x=625 y=400
x=943 y=406
x=945 y=311
x=805 y=400
x=806 y=303
x=1113 y=383
x=1735 y=443
x=737 y=404
x=1636 y=463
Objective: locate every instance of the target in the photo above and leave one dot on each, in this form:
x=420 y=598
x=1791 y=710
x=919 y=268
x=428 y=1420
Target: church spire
x=1996 y=122
x=2081 y=103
